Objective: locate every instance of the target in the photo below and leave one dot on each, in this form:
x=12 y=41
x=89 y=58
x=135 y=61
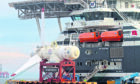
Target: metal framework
x=53 y=8
x=57 y=72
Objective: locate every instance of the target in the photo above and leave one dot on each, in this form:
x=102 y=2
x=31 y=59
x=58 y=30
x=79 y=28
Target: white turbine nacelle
x=59 y=53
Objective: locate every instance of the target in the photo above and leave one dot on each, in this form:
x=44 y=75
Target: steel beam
x=54 y=8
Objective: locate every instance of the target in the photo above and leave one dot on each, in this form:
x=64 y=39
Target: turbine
x=53 y=53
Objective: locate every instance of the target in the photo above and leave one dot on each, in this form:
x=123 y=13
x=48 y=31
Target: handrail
x=124 y=17
x=96 y=69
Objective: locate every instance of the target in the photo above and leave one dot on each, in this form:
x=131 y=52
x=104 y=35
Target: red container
x=112 y=35
x=90 y=37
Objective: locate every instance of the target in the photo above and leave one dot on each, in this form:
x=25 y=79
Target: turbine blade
x=31 y=62
x=38 y=26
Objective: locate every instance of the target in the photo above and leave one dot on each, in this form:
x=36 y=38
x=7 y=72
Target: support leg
x=60 y=26
x=41 y=78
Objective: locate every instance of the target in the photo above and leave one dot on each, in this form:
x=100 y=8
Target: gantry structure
x=30 y=9
x=53 y=8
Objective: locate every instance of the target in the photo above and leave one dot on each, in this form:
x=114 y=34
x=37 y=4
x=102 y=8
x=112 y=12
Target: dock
x=37 y=82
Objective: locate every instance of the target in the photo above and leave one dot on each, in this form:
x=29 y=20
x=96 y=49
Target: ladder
x=91 y=74
x=123 y=16
x=84 y=4
x=126 y=19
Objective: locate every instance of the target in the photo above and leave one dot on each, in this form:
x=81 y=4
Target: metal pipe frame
x=65 y=68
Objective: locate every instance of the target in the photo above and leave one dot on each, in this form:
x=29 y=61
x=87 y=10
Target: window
x=93 y=16
x=126 y=32
x=120 y=33
x=59 y=42
x=94 y=62
x=91 y=30
x=100 y=33
x=102 y=63
x=114 y=63
x=88 y=52
x=126 y=4
x=108 y=63
x=77 y=63
x=96 y=52
x=96 y=34
x=77 y=17
x=66 y=41
x=88 y=63
x=80 y=63
x=111 y=3
x=101 y=15
x=72 y=24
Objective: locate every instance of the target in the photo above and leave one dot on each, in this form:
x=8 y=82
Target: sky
x=19 y=38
